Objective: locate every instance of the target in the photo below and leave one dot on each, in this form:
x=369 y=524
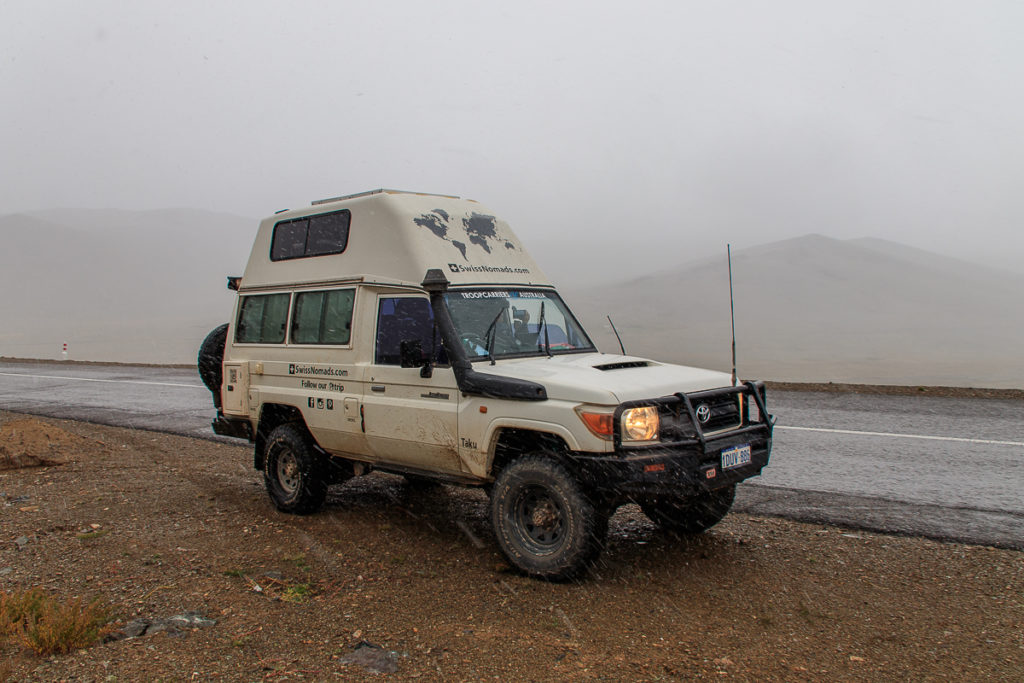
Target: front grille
x=723 y=413
x=675 y=423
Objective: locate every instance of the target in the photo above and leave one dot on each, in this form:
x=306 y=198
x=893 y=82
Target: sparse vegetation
x=298 y=560
x=296 y=592
x=47 y=626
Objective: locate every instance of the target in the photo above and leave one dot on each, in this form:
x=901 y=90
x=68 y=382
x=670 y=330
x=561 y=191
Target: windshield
x=499 y=323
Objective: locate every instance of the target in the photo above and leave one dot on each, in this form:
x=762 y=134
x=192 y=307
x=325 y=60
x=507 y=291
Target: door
x=410 y=420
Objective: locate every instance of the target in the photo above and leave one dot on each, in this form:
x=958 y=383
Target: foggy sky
x=653 y=123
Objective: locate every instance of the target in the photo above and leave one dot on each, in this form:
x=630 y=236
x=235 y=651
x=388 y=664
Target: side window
x=323 y=317
x=289 y=240
x=310 y=236
x=328 y=234
x=262 y=319
x=402 y=318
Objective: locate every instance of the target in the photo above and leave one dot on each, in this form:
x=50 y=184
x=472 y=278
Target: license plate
x=735 y=456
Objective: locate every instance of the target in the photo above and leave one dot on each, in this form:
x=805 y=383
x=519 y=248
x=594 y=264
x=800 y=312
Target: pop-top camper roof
x=388 y=236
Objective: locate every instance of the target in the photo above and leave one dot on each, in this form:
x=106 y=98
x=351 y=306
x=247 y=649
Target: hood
x=607 y=379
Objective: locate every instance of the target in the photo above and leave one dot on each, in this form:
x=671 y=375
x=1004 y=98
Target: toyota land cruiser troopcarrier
x=412 y=333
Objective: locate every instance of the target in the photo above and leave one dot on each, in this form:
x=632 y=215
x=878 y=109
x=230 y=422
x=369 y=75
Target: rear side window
x=323 y=317
x=262 y=319
x=310 y=236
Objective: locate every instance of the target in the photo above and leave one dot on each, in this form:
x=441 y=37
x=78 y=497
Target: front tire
x=293 y=471
x=544 y=522
x=691 y=515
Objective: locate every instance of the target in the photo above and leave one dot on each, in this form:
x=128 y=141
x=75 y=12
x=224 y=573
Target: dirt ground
x=159 y=525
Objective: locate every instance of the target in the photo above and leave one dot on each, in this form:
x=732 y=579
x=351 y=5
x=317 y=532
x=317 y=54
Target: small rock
x=135 y=628
x=192 y=620
x=6 y=570
x=22 y=541
x=373 y=658
x=173 y=626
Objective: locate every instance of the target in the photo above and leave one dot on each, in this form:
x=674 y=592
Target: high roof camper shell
x=389 y=236
x=413 y=334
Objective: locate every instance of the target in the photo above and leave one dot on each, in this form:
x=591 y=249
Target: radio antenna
x=621 y=347
x=732 y=313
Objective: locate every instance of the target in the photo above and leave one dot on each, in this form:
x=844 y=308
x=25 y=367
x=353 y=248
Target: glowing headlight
x=640 y=424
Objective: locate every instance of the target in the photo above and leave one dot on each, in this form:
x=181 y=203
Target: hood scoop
x=623 y=365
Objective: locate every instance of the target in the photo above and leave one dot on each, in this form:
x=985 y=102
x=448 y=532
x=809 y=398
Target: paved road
x=949 y=468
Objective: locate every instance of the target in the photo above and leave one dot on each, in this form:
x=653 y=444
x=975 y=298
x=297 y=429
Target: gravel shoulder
x=160 y=525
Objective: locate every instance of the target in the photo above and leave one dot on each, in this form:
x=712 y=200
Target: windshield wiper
x=491 y=334
x=542 y=325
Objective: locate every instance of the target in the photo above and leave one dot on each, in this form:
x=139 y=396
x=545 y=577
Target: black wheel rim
x=539 y=518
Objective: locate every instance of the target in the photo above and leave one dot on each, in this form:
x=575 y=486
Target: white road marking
x=109 y=381
x=902 y=436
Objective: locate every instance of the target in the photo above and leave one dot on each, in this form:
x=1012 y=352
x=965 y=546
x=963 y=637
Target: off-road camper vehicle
x=413 y=334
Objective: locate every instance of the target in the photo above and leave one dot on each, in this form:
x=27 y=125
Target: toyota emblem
x=703 y=413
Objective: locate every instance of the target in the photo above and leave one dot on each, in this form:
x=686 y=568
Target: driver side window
x=404 y=318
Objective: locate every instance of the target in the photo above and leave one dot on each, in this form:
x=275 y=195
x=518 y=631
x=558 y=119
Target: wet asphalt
x=946 y=468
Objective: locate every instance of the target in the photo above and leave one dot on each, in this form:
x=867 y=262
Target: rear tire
x=544 y=521
x=211 y=359
x=692 y=515
x=294 y=471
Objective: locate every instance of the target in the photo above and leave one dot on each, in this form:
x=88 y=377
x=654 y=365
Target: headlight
x=640 y=424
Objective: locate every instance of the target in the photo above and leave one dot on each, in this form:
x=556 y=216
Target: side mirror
x=410 y=353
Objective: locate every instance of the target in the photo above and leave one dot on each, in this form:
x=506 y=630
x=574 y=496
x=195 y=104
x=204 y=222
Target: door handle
x=377 y=387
